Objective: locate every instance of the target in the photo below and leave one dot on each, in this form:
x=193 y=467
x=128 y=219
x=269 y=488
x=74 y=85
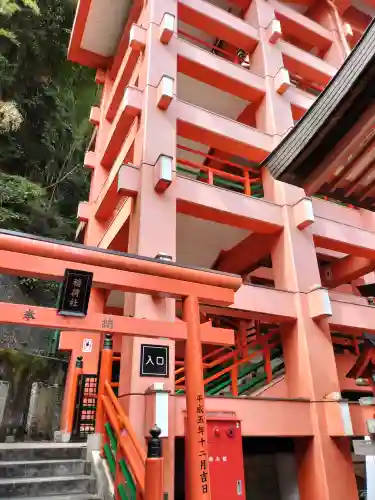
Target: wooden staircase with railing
x=238 y=371
x=135 y=475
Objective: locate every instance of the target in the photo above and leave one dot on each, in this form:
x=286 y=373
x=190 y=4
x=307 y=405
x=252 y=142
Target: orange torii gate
x=27 y=255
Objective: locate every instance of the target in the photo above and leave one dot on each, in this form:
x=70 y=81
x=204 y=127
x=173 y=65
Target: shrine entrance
x=31 y=256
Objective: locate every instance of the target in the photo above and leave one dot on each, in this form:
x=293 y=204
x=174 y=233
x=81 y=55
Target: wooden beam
x=347 y=239
x=44 y=317
x=345 y=270
x=246 y=254
x=341 y=155
x=26 y=244
x=108 y=197
x=121 y=218
x=18 y=264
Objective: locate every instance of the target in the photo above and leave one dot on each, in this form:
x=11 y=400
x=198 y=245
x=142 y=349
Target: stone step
x=21 y=452
x=42 y=468
x=40 y=487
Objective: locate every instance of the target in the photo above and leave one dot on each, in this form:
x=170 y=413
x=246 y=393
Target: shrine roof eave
x=344 y=103
x=97 y=31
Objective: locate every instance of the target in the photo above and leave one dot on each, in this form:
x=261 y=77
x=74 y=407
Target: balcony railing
x=301 y=83
x=246 y=180
x=212 y=48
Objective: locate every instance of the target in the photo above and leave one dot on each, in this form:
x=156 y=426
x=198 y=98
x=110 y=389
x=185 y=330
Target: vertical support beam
x=267 y=363
x=325 y=467
x=95 y=228
x=74 y=343
x=105 y=374
x=326 y=14
x=197 y=480
x=70 y=396
x=274 y=114
x=234 y=377
x=152 y=222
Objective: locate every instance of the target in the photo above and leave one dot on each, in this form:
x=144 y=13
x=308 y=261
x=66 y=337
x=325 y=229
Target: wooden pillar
x=325 y=466
x=70 y=395
x=274 y=113
x=74 y=342
x=152 y=224
x=105 y=374
x=197 y=482
x=328 y=16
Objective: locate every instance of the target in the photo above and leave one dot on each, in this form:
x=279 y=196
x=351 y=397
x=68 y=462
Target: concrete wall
x=4 y=389
x=271 y=476
x=287 y=476
x=261 y=477
x=44 y=411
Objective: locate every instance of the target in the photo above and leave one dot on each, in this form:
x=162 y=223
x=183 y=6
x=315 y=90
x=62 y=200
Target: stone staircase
x=49 y=471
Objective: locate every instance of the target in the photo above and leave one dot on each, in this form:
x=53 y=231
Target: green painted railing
x=127 y=489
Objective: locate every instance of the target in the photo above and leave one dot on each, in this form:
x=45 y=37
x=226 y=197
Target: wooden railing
x=301 y=83
x=125 y=458
x=246 y=181
x=233 y=361
x=135 y=475
x=210 y=47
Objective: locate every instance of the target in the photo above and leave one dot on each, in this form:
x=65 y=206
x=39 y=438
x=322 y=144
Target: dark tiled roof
x=342 y=103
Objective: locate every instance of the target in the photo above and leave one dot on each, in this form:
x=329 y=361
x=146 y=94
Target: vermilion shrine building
x=194 y=97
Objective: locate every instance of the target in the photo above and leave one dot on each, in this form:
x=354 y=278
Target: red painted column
x=328 y=17
x=274 y=114
x=105 y=375
x=325 y=466
x=74 y=342
x=70 y=395
x=152 y=225
x=197 y=482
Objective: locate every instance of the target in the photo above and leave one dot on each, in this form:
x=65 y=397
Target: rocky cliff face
x=24 y=338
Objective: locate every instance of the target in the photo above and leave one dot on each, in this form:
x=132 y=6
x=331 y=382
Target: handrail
x=221 y=173
x=240 y=181
x=124 y=420
x=267 y=343
x=232 y=57
x=306 y=85
x=213 y=363
x=226 y=177
x=204 y=358
x=238 y=363
x=136 y=467
x=136 y=476
x=218 y=160
x=232 y=367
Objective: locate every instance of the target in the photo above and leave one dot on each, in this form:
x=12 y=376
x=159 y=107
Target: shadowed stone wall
x=26 y=338
x=22 y=372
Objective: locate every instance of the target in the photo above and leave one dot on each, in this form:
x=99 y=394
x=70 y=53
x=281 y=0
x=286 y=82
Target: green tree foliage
x=10 y=7
x=41 y=174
